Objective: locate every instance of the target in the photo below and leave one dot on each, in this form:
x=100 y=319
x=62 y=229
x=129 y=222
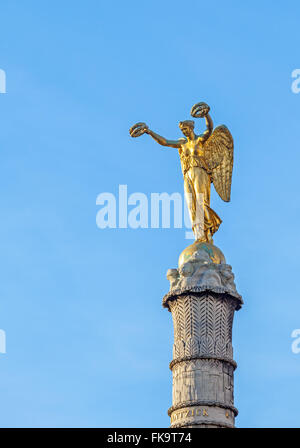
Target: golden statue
x=205 y=158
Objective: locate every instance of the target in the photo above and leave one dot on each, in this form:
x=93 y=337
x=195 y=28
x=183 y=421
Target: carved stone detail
x=202 y=365
x=203 y=380
x=202 y=415
x=193 y=274
x=202 y=325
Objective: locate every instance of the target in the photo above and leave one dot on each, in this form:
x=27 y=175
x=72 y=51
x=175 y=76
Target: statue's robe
x=197 y=182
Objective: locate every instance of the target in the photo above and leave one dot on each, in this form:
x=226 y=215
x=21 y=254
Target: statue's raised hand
x=138 y=129
x=200 y=110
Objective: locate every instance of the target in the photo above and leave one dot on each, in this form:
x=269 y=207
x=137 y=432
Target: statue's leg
x=189 y=197
x=195 y=206
x=201 y=184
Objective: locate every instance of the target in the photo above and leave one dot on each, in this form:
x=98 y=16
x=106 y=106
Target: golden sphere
x=203 y=252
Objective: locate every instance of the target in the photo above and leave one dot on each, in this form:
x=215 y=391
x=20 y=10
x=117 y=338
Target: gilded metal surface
x=214 y=254
x=205 y=159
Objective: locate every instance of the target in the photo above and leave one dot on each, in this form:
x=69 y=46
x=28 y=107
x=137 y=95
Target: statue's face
x=187 y=128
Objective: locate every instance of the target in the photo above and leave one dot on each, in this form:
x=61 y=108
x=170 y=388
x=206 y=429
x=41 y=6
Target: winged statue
x=206 y=158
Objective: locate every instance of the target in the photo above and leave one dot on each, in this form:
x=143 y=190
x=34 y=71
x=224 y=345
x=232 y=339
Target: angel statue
x=205 y=158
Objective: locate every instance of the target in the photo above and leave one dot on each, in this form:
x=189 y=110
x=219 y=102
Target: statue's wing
x=218 y=154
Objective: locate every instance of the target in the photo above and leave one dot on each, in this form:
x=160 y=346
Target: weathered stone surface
x=202 y=325
x=204 y=416
x=203 y=380
x=202 y=267
x=202 y=300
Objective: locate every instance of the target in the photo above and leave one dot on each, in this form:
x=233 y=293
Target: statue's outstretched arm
x=163 y=141
x=141 y=128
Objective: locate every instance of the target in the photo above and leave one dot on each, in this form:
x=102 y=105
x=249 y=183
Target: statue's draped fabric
x=207 y=161
x=205 y=220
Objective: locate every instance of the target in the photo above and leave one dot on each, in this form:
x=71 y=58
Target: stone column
x=202 y=300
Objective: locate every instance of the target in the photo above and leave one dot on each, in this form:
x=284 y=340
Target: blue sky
x=88 y=343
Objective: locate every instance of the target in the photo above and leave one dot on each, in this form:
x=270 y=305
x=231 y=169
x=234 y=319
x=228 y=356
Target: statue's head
x=187 y=127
